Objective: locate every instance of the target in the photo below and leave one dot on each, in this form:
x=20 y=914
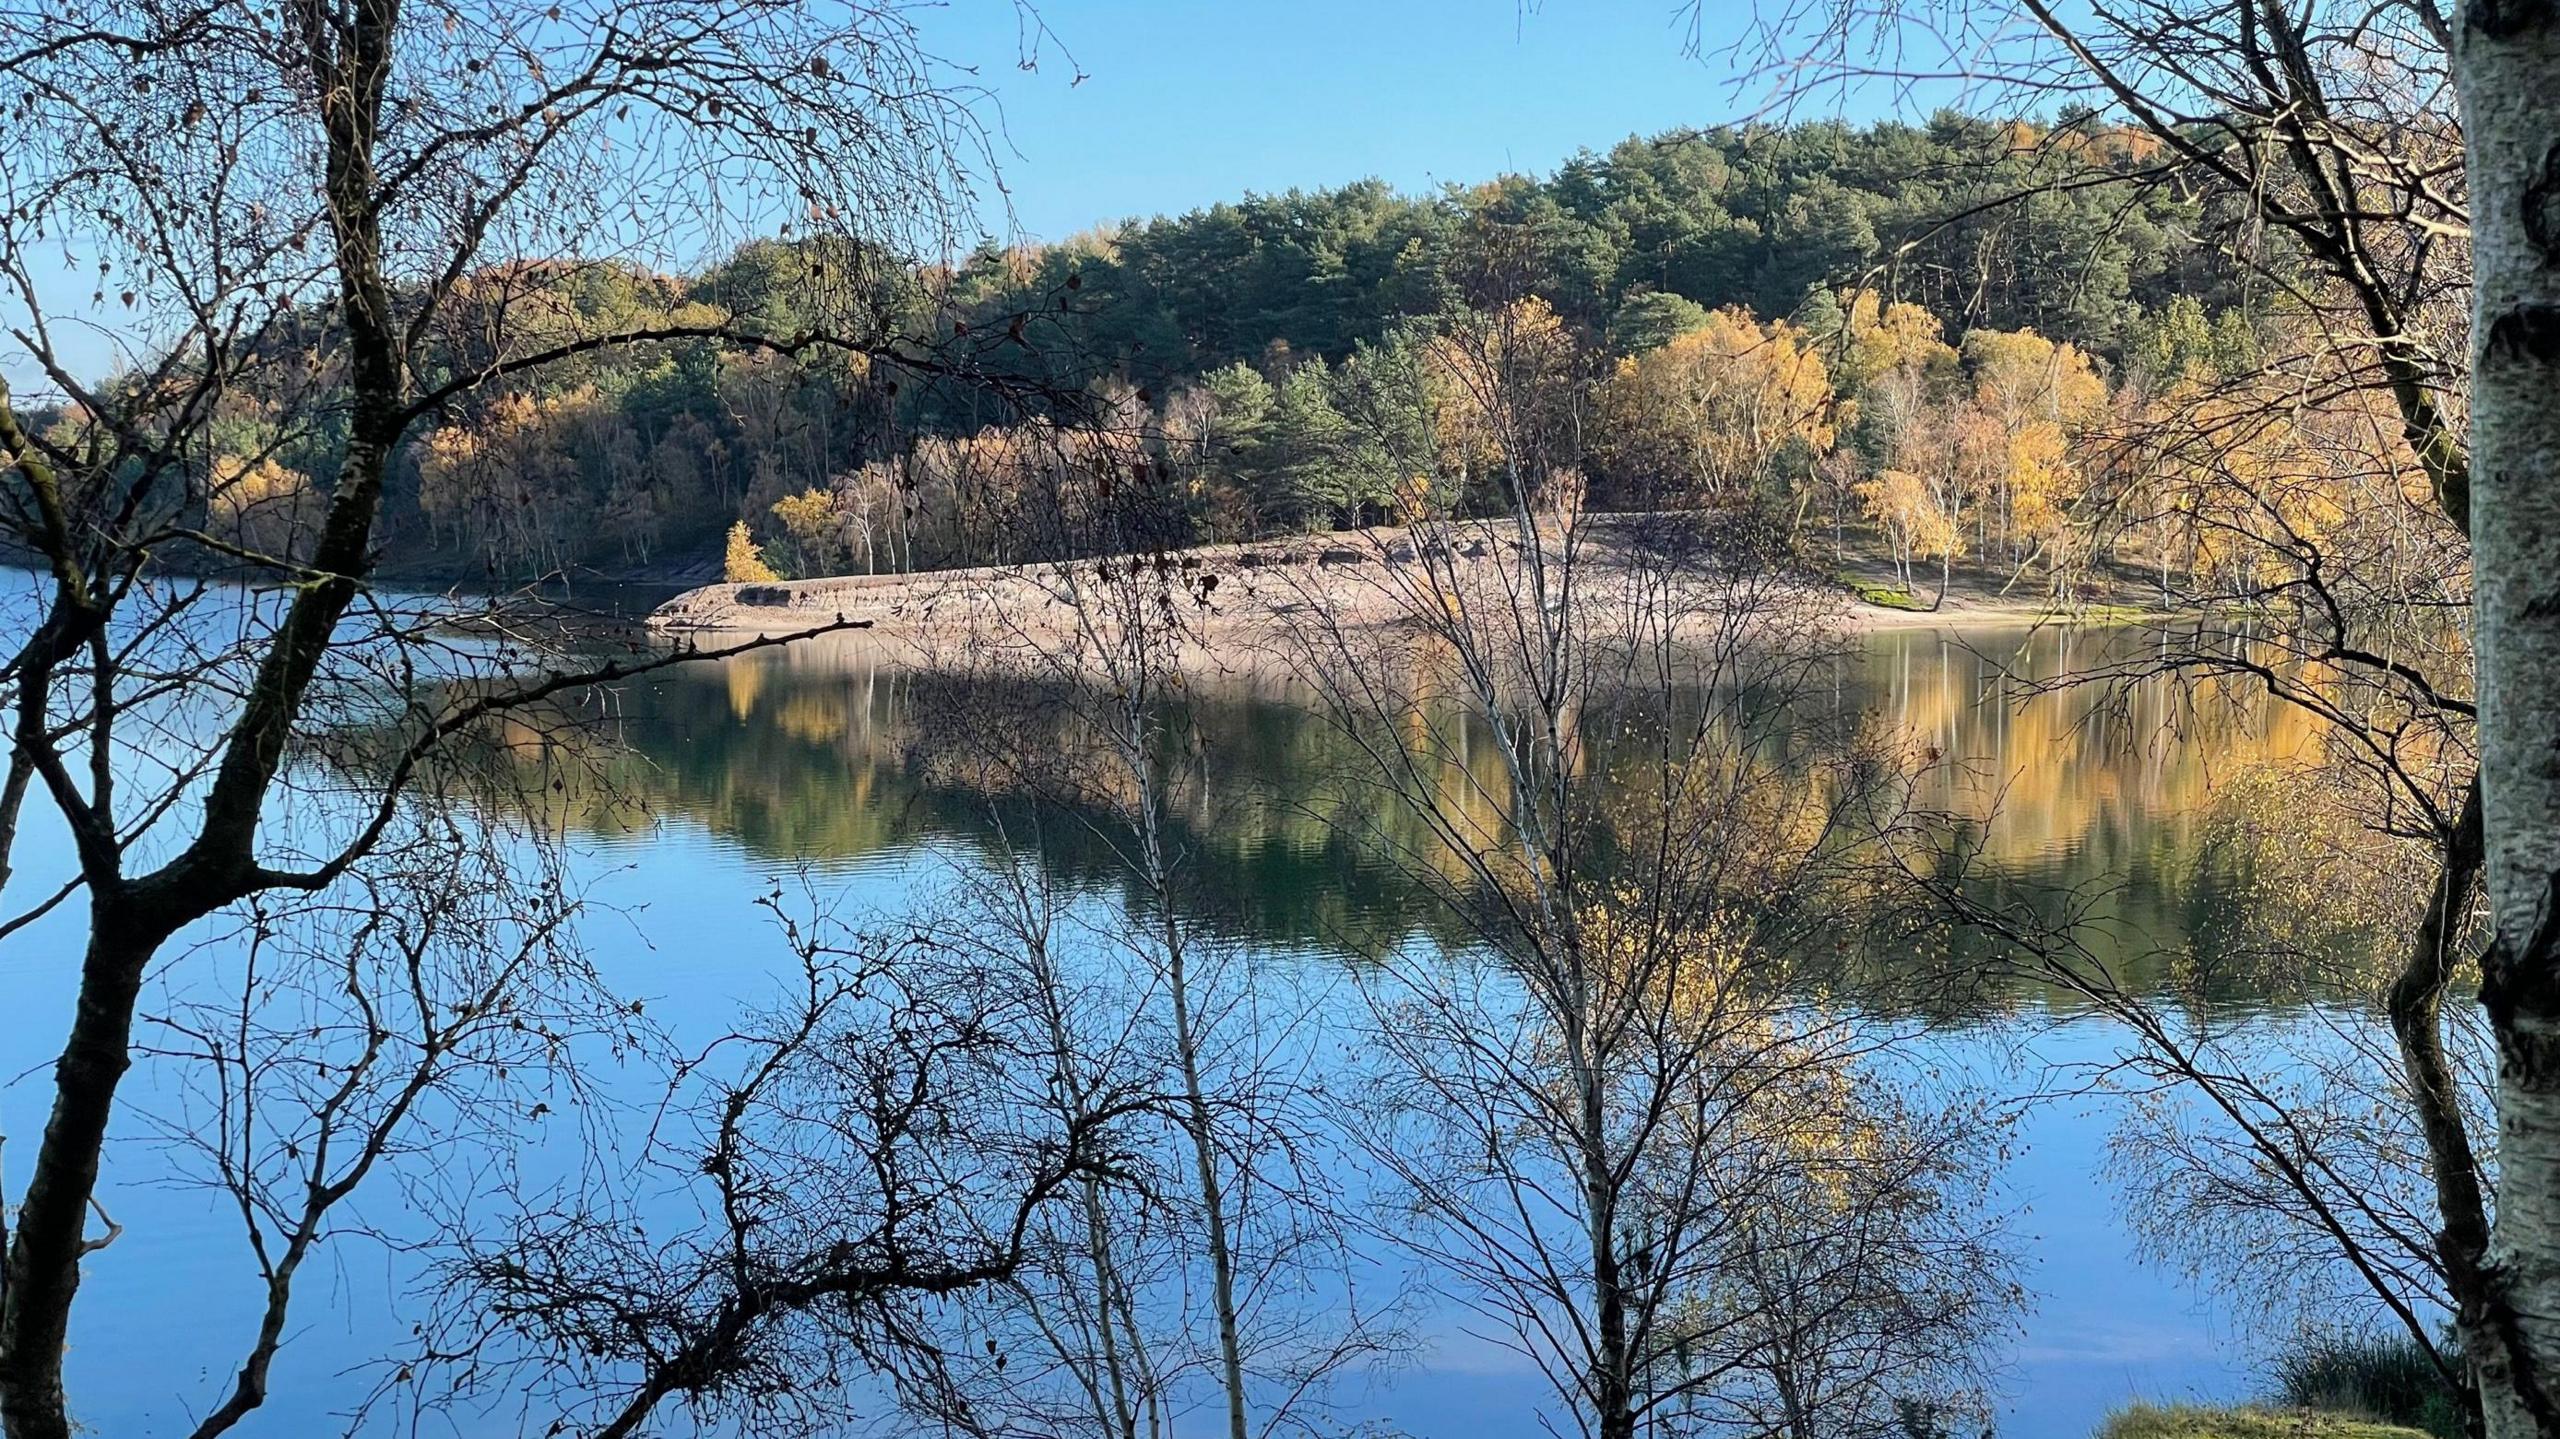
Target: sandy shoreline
x=1235 y=592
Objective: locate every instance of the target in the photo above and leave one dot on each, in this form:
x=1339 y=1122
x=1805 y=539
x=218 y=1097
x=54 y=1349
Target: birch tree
x=2506 y=67
x=1603 y=1119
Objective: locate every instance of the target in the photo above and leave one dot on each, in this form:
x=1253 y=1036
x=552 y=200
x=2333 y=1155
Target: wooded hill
x=1789 y=316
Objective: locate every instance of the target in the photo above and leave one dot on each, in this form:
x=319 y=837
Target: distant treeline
x=1986 y=224
x=1707 y=309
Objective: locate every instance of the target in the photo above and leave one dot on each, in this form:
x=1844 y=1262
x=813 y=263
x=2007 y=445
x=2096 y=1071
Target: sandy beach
x=1247 y=593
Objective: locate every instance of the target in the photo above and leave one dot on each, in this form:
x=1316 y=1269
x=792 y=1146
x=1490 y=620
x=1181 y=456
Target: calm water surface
x=729 y=776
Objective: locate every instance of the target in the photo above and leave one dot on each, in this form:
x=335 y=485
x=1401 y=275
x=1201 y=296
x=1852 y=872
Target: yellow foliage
x=1913 y=514
x=743 y=564
x=505 y=477
x=1890 y=339
x=1711 y=412
x=259 y=505
x=240 y=486
x=2019 y=374
x=1494 y=383
x=814 y=525
x=1783 y=1086
x=2010 y=446
x=2245 y=482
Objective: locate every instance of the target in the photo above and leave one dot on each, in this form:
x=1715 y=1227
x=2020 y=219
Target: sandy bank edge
x=943 y=604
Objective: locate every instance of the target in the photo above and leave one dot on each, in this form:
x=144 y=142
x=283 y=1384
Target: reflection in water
x=836 y=753
x=841 y=757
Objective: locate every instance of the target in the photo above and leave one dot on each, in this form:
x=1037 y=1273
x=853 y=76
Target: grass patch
x=2198 y=1421
x=2110 y=614
x=2387 y=1376
x=1890 y=597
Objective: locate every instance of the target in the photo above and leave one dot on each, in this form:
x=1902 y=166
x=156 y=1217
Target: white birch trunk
x=2506 y=65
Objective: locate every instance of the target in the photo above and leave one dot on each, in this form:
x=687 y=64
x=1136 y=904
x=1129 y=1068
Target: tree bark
x=1613 y=1377
x=2506 y=69
x=51 y=1235
x=1204 y=1150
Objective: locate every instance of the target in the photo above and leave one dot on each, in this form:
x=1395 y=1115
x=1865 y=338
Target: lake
x=712 y=781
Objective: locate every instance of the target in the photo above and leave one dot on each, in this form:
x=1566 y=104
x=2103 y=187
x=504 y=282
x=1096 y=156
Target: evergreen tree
x=1305 y=480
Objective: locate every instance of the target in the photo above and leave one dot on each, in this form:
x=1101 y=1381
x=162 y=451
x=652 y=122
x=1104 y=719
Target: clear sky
x=1183 y=103
x=1187 y=102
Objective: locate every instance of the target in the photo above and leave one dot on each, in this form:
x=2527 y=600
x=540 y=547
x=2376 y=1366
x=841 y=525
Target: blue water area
x=798 y=771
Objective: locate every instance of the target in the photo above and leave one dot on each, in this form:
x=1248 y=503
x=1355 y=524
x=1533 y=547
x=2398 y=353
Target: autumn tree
x=1612 y=1137
x=1728 y=411
x=1576 y=713
x=743 y=562
x=1915 y=520
x=813 y=523
x=1506 y=401
x=259 y=507
x=2016 y=432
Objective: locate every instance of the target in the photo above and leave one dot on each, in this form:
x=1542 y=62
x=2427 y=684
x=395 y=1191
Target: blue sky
x=1185 y=104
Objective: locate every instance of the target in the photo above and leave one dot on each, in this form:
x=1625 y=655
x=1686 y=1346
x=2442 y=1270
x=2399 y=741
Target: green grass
x=2196 y=1421
x=2110 y=614
x=1891 y=597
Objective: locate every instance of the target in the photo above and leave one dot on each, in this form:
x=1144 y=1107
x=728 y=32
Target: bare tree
x=1080 y=1293
x=819 y=1188
x=1110 y=1312
x=1097 y=655
x=2324 y=147
x=352 y=210
x=1606 y=1115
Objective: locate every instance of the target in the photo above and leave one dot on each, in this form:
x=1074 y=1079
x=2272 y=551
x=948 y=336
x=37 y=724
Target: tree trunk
x=1204 y=1148
x=130 y=920
x=1612 y=1379
x=1188 y=1043
x=2506 y=68
x=52 y=1229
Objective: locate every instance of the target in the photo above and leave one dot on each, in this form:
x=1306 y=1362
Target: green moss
x=1891 y=597
x=2196 y=1421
